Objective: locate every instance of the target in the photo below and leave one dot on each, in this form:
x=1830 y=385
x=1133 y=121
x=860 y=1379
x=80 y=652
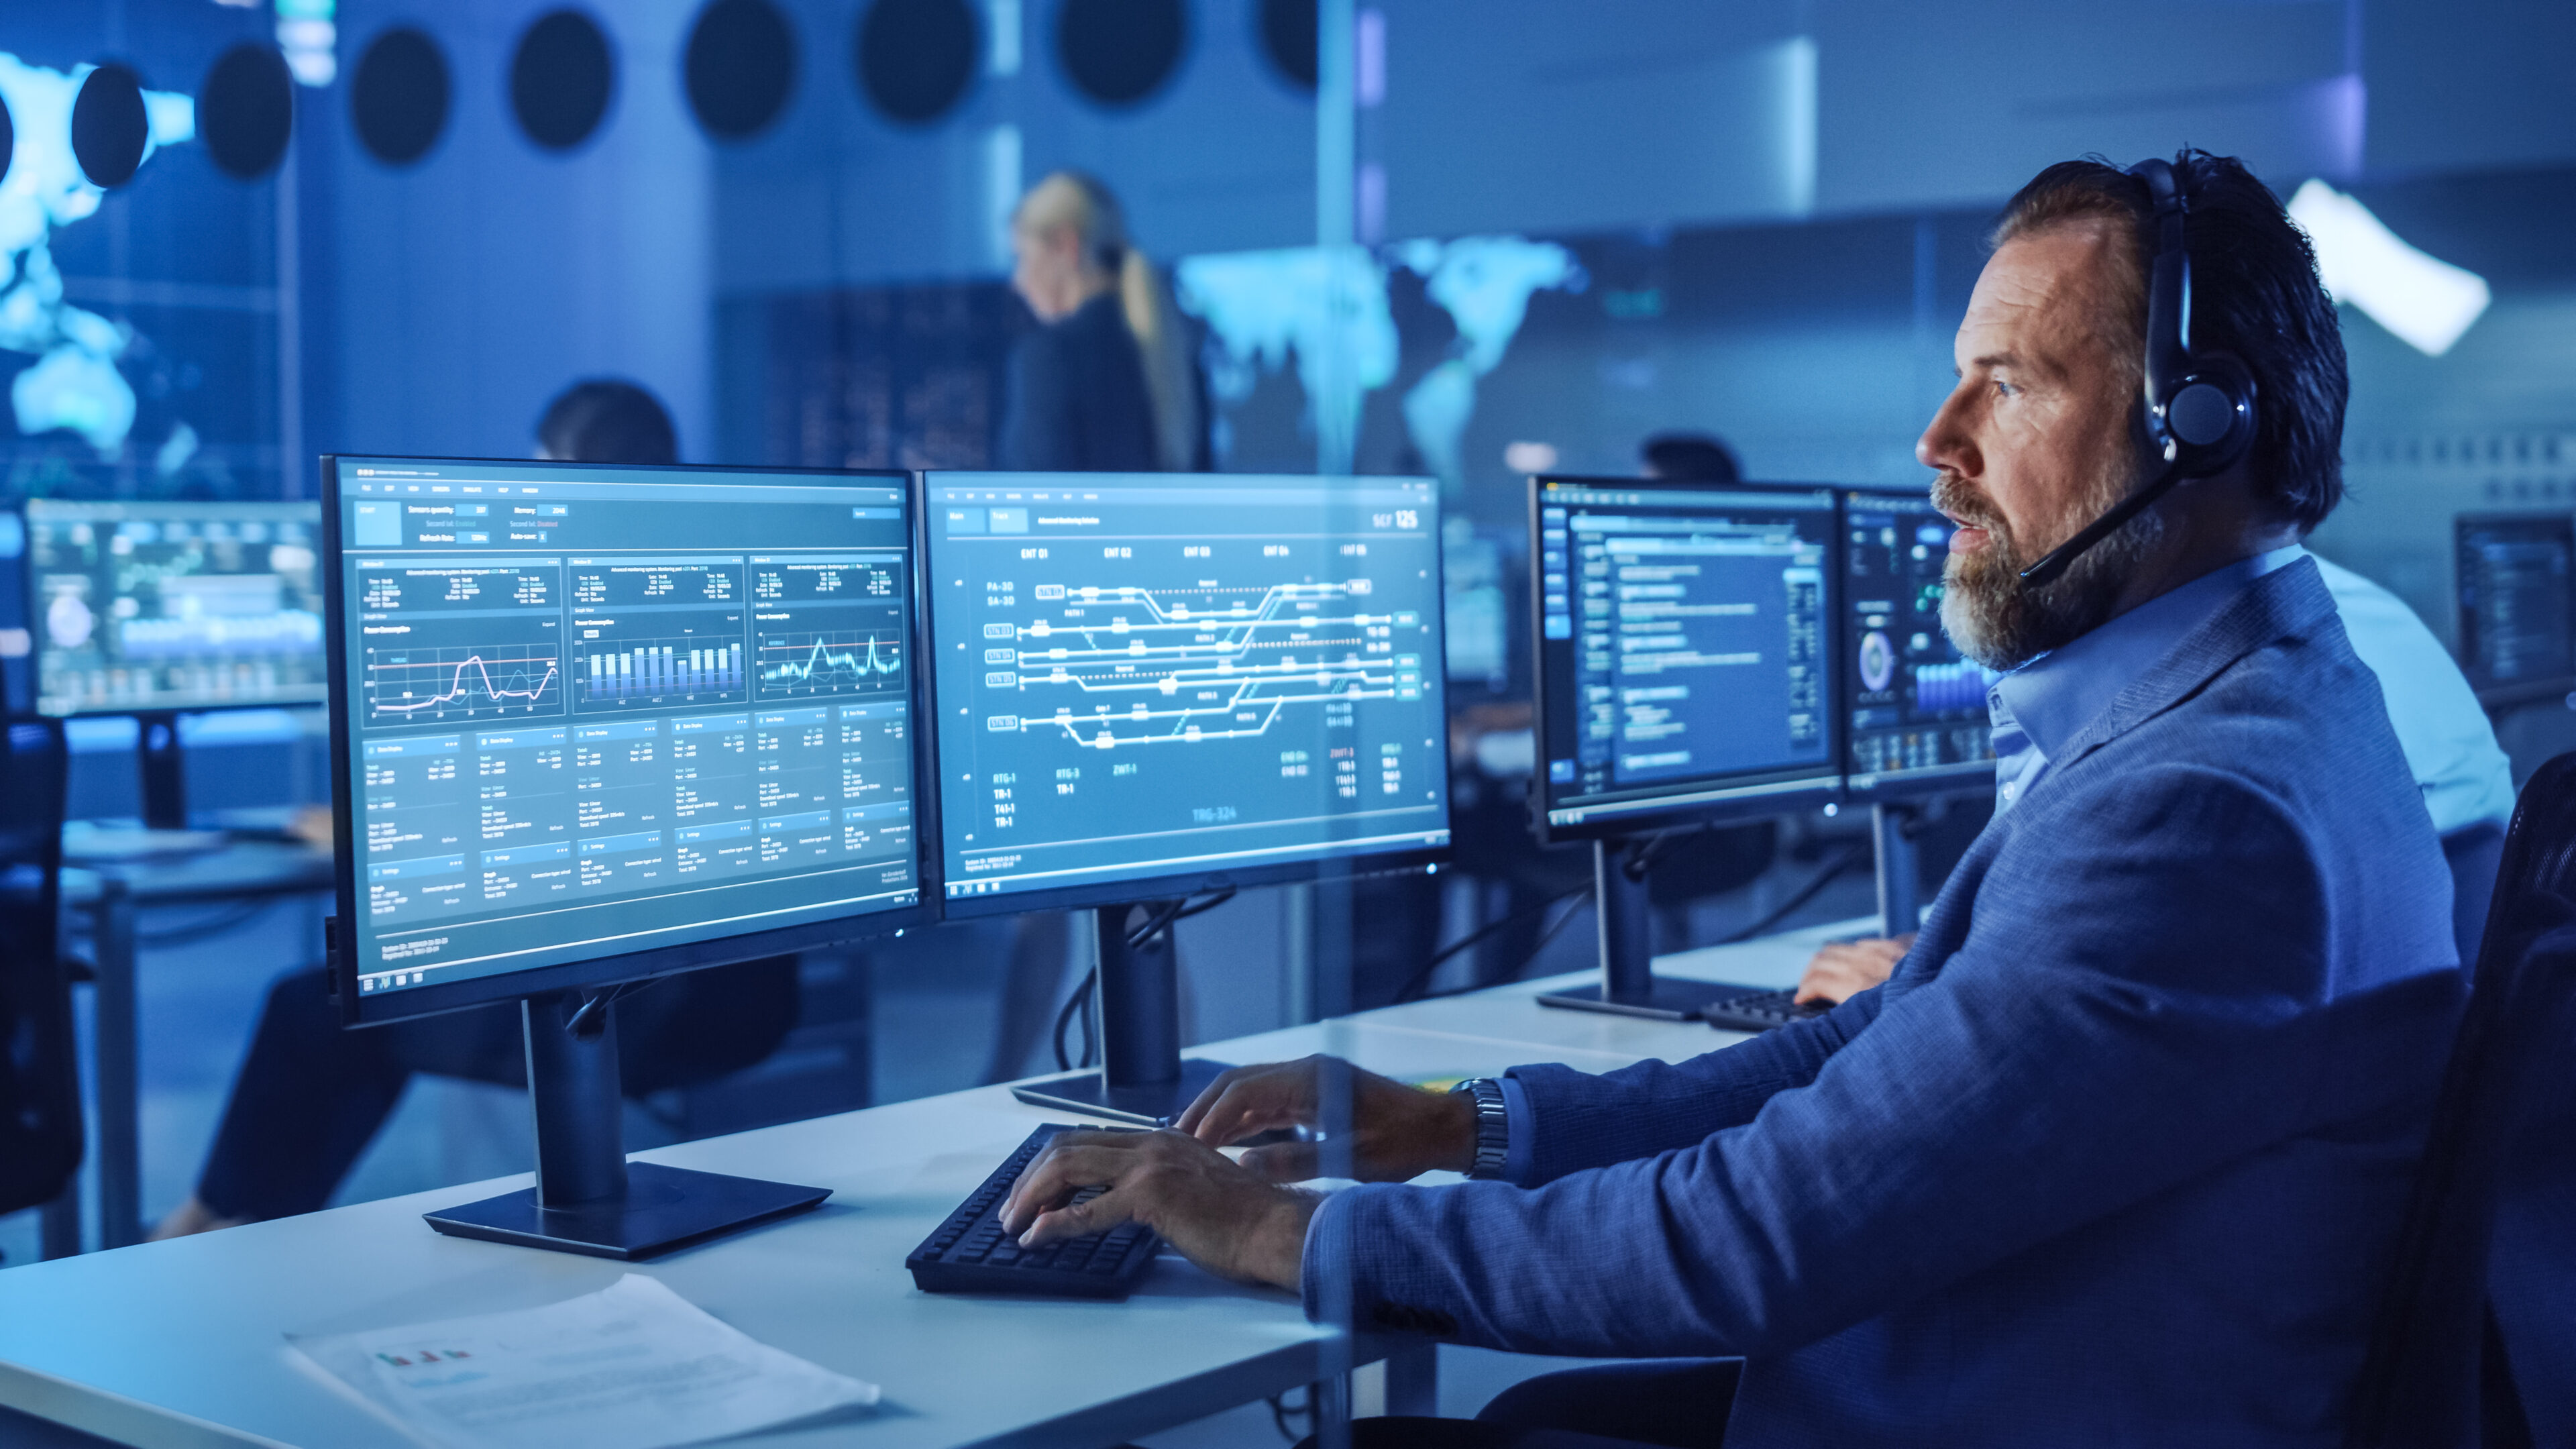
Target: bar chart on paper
x=646 y=671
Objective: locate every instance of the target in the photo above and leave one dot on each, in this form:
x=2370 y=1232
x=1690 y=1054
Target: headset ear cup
x=2211 y=415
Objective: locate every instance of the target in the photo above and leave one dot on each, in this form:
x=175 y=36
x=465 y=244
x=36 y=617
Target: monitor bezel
x=30 y=597
x=359 y=1009
x=1178 y=884
x=1973 y=777
x=2527 y=691
x=1789 y=797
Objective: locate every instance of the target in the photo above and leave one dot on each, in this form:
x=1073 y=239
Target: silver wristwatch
x=1493 y=1126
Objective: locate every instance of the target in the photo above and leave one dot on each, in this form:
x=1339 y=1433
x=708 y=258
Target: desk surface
x=160 y=1344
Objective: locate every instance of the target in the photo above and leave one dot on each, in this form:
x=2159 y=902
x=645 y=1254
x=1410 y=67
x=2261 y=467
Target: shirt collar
x=2061 y=691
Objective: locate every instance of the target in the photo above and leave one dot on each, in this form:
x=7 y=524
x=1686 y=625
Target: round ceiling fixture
x=109 y=126
x=916 y=57
x=1288 y=38
x=398 y=99
x=1118 y=52
x=246 y=110
x=741 y=65
x=561 y=79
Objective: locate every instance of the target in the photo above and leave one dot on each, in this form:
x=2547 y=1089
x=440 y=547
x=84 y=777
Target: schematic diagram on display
x=1133 y=665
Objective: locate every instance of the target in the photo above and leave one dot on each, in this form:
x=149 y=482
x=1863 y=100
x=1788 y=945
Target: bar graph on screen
x=619 y=672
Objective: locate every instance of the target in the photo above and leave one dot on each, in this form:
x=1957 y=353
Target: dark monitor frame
x=1976 y=777
x=1791 y=798
x=29 y=591
x=363 y=1009
x=2522 y=691
x=1174 y=884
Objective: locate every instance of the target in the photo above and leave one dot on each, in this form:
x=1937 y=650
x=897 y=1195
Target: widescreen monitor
x=1686 y=653
x=2517 y=611
x=598 y=723
x=1918 y=723
x=146 y=607
x=1150 y=685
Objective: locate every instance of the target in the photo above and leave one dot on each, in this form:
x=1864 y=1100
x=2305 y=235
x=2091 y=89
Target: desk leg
x=1413 y=1381
x=1331 y=1421
x=120 y=1167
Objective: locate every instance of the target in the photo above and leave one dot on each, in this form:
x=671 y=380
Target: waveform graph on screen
x=416 y=684
x=795 y=664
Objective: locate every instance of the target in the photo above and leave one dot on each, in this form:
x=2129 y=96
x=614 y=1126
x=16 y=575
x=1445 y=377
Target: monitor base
x=663 y=1208
x=1666 y=998
x=1146 y=1104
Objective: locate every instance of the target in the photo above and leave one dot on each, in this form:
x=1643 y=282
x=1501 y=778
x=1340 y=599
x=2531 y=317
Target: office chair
x=2436 y=1373
x=40 y=1107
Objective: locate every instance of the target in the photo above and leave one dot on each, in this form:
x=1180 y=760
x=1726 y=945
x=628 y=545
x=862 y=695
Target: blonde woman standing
x=1107 y=383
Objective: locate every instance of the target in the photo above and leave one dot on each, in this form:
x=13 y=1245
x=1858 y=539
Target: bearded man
x=2118 y=1154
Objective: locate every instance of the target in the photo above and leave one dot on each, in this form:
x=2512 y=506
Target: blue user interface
x=174 y=605
x=594 y=710
x=1686 y=648
x=1918 y=707
x=1178 y=678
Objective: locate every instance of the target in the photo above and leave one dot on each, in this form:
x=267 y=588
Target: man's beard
x=2002 y=623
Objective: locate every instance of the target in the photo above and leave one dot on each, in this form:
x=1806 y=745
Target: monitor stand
x=1143 y=1077
x=588 y=1198
x=1629 y=986
x=161 y=770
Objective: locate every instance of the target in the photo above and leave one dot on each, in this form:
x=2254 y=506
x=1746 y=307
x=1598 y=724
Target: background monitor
x=597 y=723
x=1150 y=685
x=2517 y=614
x=1918 y=708
x=141 y=607
x=1686 y=653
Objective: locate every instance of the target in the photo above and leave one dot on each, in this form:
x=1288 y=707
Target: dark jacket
x=2117 y=1156
x=1077 y=401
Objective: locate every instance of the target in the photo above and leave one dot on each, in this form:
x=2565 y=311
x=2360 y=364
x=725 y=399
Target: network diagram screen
x=1180 y=678
x=592 y=711
x=153 y=606
x=1918 y=707
x=2517 y=607
x=1685 y=650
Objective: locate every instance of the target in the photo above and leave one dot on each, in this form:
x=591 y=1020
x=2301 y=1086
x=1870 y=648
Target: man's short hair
x=2254 y=293
x=1697 y=457
x=607 y=420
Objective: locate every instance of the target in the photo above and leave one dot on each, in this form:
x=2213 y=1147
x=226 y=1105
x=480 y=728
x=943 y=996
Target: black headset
x=2196 y=418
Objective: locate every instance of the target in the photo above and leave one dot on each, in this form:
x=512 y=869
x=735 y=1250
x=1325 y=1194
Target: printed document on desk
x=633 y=1366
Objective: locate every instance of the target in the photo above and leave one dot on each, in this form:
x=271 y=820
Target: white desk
x=179 y=1343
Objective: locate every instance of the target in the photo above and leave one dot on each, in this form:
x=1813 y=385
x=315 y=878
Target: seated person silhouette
x=310 y=1095
x=2119 y=1152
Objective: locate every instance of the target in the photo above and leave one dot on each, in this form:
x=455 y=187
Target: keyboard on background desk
x=1761 y=1010
x=971 y=1254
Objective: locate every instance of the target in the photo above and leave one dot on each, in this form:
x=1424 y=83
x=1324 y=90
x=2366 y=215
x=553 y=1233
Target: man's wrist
x=1280 y=1257
x=1457 y=1132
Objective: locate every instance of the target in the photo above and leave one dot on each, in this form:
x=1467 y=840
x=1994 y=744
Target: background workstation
x=788 y=218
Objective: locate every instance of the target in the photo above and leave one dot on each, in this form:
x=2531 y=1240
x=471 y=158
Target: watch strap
x=1493 y=1126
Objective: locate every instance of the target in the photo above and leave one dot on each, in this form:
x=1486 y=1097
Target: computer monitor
x=1154 y=685
x=153 y=608
x=1918 y=724
x=1686 y=674
x=2517 y=614
x=593 y=725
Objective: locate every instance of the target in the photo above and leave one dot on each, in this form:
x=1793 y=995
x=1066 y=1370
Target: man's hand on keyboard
x=1845 y=969
x=1398 y=1132
x=1217 y=1213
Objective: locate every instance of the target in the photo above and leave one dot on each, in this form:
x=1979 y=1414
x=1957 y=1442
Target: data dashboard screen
x=1164 y=681
x=593 y=711
x=152 y=606
x=1685 y=651
x=2517 y=607
x=1918 y=707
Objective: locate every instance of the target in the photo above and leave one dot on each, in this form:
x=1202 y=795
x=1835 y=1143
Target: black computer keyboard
x=971 y=1254
x=1761 y=1010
